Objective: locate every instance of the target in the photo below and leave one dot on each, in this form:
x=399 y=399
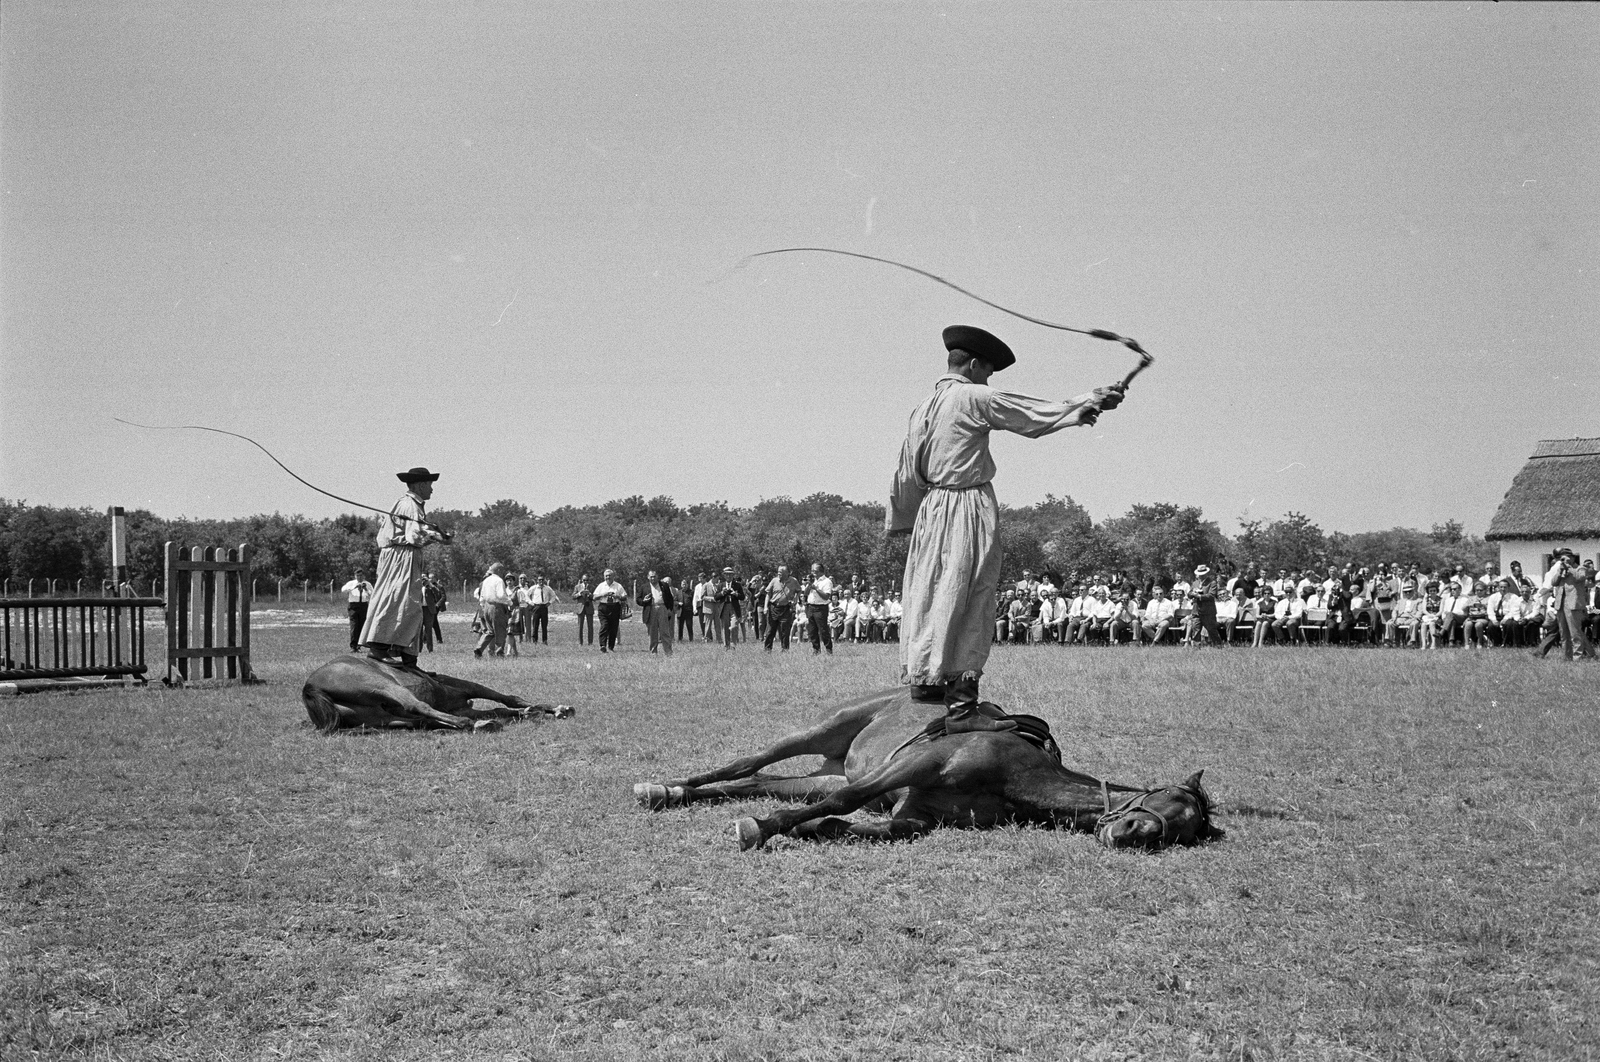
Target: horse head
x=1176 y=814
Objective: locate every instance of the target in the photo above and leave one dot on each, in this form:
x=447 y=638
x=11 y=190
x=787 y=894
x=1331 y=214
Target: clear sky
x=499 y=240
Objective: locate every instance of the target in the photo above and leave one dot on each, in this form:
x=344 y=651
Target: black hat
x=979 y=344
x=416 y=475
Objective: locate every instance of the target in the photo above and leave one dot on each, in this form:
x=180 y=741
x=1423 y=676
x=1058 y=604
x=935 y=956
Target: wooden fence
x=208 y=614
x=60 y=639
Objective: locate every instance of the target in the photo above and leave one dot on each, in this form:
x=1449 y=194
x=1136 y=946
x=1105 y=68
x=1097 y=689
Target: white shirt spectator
x=610 y=591
x=1158 y=611
x=819 y=591
x=492 y=591
x=359 y=590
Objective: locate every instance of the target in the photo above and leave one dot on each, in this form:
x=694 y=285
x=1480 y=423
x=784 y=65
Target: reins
x=1137 y=803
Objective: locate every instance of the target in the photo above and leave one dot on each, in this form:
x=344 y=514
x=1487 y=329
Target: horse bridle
x=1136 y=803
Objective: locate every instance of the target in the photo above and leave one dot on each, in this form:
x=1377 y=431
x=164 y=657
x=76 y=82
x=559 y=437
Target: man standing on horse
x=943 y=498
x=393 y=629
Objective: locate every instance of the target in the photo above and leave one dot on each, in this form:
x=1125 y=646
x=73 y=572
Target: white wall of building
x=1534 y=553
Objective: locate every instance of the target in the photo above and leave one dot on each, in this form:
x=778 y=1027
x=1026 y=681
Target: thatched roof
x=1556 y=495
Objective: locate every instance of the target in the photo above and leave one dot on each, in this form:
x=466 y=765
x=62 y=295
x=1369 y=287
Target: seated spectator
x=891 y=624
x=1287 y=612
x=1078 y=614
x=1474 y=619
x=1125 y=619
x=1452 y=609
x=1156 y=617
x=1098 y=613
x=1341 y=617
x=1233 y=612
x=1430 y=618
x=1261 y=614
x=1019 y=616
x=1002 y=616
x=1052 y=616
x=1404 y=617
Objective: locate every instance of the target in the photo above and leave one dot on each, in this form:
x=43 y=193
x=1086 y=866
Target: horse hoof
x=565 y=711
x=650 y=796
x=748 y=834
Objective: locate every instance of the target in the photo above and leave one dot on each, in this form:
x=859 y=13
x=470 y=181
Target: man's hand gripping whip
x=441 y=532
x=1145 y=359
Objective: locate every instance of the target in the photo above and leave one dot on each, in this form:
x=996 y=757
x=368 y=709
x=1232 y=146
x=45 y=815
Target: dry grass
x=1411 y=871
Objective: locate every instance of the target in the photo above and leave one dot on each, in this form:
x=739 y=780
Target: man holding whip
x=393 y=630
x=942 y=497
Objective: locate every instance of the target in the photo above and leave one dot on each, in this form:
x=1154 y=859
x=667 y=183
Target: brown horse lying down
x=970 y=779
x=354 y=691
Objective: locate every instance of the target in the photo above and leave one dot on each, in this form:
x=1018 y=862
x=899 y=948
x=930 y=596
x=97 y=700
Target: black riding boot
x=962 y=714
x=926 y=694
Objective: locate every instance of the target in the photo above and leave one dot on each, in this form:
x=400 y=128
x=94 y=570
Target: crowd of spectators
x=1387 y=605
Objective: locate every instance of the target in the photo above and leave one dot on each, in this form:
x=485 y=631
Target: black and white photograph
x=934 y=531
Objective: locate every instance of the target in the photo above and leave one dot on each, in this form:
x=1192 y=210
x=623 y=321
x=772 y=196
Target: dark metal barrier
x=73 y=637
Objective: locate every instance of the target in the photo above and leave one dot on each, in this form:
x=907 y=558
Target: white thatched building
x=1553 y=503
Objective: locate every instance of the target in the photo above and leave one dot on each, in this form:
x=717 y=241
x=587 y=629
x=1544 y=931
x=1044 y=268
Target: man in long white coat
x=942 y=497
x=393 y=630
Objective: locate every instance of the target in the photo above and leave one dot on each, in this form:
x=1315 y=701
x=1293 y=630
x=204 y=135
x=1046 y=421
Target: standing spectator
x=494 y=608
x=716 y=610
x=1525 y=586
x=703 y=603
x=780 y=596
x=1569 y=601
x=541 y=595
x=659 y=607
x=393 y=630
x=583 y=597
x=891 y=626
x=522 y=612
x=737 y=612
x=729 y=598
x=1203 y=593
x=685 y=595
x=819 y=593
x=755 y=595
x=608 y=598
x=360 y=596
x=433 y=603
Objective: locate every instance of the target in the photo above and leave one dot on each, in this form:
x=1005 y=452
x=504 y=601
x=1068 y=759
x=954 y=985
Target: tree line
x=633 y=535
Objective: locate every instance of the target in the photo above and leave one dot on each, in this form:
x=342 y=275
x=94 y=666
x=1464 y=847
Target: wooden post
x=119 y=545
x=246 y=673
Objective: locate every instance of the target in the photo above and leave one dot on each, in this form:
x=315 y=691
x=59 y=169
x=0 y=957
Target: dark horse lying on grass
x=353 y=691
x=874 y=758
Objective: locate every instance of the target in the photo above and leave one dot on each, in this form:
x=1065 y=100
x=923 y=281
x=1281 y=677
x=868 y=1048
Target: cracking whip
x=201 y=427
x=1145 y=359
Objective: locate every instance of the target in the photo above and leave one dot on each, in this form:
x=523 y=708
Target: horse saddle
x=1029 y=728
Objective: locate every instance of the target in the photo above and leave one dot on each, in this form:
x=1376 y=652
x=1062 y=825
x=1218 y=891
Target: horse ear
x=1193 y=781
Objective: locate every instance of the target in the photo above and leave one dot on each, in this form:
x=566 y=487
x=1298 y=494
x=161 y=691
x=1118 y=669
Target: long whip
x=233 y=434
x=1145 y=358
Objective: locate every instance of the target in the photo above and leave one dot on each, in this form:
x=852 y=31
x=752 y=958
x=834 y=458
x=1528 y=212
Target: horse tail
x=320 y=707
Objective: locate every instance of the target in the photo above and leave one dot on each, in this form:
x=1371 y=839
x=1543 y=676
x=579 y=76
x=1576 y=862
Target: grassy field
x=1411 y=870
